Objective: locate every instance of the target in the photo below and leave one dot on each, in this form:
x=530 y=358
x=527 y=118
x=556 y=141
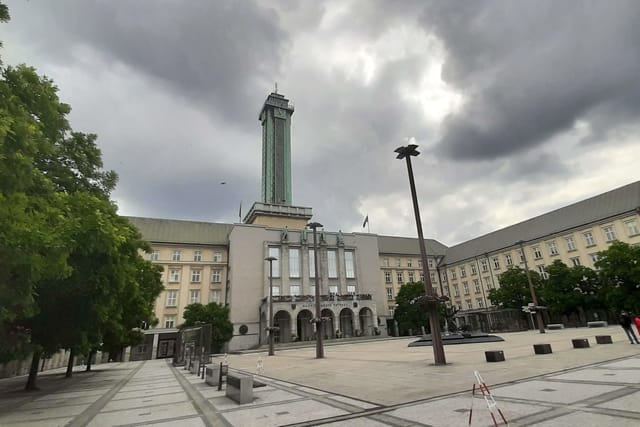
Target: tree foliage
x=619 y=272
x=514 y=289
x=570 y=290
x=215 y=314
x=409 y=314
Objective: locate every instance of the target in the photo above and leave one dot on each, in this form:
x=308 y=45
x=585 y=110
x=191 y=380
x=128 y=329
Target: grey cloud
x=531 y=69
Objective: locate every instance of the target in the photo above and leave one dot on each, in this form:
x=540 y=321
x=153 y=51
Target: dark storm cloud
x=529 y=70
x=218 y=53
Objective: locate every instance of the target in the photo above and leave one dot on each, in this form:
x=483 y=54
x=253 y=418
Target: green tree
x=619 y=271
x=409 y=314
x=514 y=289
x=215 y=314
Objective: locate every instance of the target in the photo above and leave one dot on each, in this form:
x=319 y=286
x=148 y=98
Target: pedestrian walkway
x=393 y=385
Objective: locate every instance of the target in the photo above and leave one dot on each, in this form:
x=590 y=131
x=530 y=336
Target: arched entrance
x=282 y=320
x=346 y=322
x=305 y=327
x=328 y=330
x=366 y=321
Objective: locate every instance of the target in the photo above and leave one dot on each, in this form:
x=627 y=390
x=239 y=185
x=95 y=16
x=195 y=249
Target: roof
x=595 y=209
x=185 y=232
x=408 y=246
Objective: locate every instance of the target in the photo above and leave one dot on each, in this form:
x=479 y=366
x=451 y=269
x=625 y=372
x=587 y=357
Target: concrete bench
x=494 y=356
x=597 y=324
x=240 y=388
x=580 y=343
x=552 y=326
x=213 y=374
x=604 y=339
x=542 y=348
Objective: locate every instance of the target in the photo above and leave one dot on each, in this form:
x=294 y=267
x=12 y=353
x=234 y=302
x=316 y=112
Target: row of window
x=552 y=249
x=410 y=263
x=177 y=256
x=465 y=287
x=196 y=275
x=194 y=297
x=295 y=262
x=411 y=276
x=469 y=304
x=295 y=289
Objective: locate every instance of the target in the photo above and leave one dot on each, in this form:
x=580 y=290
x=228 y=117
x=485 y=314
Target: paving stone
x=293 y=412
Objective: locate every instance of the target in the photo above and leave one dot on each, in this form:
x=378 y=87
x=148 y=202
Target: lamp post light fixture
x=318 y=319
x=431 y=299
x=271 y=328
x=534 y=297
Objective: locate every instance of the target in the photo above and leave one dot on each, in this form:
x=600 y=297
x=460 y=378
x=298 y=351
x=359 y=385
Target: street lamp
x=534 y=298
x=270 y=328
x=431 y=299
x=318 y=319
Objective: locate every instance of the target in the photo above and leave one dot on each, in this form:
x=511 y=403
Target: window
x=576 y=261
x=443 y=276
x=294 y=262
x=216 y=276
x=387 y=277
x=484 y=266
x=398 y=263
x=537 y=254
x=609 y=233
x=349 y=267
x=489 y=283
x=391 y=311
x=456 y=290
x=312 y=289
x=476 y=285
x=351 y=289
x=197 y=256
x=422 y=277
x=312 y=263
x=169 y=321
x=295 y=290
x=521 y=256
x=194 y=296
x=276 y=290
x=389 y=293
x=446 y=290
x=632 y=228
x=400 y=277
x=465 y=287
x=411 y=277
x=332 y=264
x=480 y=302
x=553 y=249
x=409 y=263
x=215 y=296
x=594 y=258
x=430 y=262
x=174 y=275
x=474 y=270
x=588 y=238
x=385 y=262
x=154 y=256
x=217 y=257
x=175 y=256
x=275 y=253
x=463 y=271
x=571 y=244
x=333 y=289
x=469 y=304
x=459 y=306
x=508 y=260
x=195 y=276
x=452 y=273
x=172 y=298
x=496 y=263
x=542 y=272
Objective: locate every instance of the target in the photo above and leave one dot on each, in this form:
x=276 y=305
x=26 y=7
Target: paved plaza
x=369 y=383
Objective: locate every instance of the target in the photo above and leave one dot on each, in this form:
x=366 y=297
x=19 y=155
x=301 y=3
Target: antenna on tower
x=276 y=90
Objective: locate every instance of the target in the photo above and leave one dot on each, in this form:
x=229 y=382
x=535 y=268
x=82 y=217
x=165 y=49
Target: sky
x=517 y=107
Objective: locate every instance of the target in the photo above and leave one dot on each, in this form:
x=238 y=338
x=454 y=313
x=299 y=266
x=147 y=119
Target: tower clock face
x=278 y=112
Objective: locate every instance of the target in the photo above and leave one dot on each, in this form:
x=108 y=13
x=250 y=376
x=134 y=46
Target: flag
x=366 y=221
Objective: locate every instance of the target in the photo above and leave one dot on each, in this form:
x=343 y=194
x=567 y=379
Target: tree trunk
x=69 y=372
x=91 y=354
x=33 y=372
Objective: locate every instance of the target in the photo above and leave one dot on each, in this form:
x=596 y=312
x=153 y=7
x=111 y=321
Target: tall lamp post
x=534 y=298
x=431 y=299
x=270 y=328
x=318 y=319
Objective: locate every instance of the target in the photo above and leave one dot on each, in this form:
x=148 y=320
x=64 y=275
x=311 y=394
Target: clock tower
x=276 y=149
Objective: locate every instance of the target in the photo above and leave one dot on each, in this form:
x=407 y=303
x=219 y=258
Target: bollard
x=220 y=378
